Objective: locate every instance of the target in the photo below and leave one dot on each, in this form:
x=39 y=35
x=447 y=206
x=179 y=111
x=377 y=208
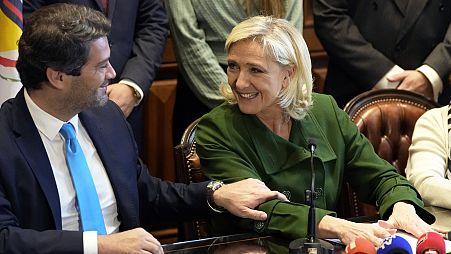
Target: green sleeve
x=375 y=180
x=287 y=219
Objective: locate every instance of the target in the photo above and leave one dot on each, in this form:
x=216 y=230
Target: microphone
x=394 y=244
x=431 y=243
x=311 y=245
x=361 y=246
x=310 y=195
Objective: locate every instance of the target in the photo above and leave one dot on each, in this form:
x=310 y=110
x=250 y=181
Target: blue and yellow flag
x=11 y=22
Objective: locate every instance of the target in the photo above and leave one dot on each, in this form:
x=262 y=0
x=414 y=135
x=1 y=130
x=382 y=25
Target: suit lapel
x=413 y=11
x=121 y=180
x=30 y=144
x=99 y=5
x=401 y=5
x=96 y=133
x=111 y=8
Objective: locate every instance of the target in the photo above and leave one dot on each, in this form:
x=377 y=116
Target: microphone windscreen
x=311 y=144
x=431 y=241
x=361 y=246
x=394 y=244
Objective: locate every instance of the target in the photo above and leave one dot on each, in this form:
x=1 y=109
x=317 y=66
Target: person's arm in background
x=196 y=59
x=428 y=156
x=435 y=69
x=151 y=30
x=342 y=39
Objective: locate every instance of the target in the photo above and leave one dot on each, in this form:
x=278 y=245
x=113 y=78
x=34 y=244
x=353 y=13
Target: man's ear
x=56 y=78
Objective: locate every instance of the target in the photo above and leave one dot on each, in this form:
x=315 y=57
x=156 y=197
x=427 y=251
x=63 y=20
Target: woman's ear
x=289 y=74
x=56 y=78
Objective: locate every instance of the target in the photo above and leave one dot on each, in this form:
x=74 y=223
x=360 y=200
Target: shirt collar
x=47 y=124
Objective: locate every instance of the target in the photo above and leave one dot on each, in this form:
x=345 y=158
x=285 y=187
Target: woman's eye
x=232 y=66
x=255 y=70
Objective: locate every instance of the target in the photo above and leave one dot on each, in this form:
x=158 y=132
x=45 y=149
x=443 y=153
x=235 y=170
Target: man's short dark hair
x=58 y=36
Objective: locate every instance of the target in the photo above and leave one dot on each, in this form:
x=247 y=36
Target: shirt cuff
x=383 y=83
x=90 y=242
x=137 y=89
x=434 y=78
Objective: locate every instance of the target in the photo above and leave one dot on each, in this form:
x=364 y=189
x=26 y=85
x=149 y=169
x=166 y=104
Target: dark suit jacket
x=365 y=39
x=30 y=213
x=137 y=40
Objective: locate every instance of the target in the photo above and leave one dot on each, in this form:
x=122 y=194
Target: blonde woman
x=199 y=29
x=263 y=132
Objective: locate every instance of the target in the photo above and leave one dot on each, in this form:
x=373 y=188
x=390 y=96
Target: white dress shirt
x=48 y=127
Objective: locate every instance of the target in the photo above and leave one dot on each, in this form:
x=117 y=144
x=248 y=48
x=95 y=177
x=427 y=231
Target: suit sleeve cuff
x=90 y=242
x=434 y=78
x=135 y=87
x=383 y=83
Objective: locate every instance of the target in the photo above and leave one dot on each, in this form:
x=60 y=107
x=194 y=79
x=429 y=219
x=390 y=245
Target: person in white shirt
x=428 y=166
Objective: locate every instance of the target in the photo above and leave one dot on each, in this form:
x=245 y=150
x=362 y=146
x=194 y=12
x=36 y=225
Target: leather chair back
x=187 y=165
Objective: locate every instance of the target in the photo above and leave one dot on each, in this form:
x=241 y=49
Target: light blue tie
x=88 y=202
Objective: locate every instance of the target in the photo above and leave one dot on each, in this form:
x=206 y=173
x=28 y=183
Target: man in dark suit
x=404 y=44
x=64 y=67
x=137 y=40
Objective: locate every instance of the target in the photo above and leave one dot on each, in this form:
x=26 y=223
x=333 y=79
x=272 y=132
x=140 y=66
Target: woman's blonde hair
x=286 y=46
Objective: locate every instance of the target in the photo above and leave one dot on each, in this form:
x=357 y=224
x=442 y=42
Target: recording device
x=394 y=244
x=431 y=243
x=361 y=246
x=310 y=244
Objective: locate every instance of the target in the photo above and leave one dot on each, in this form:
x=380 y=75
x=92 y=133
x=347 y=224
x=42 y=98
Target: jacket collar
x=111 y=7
x=413 y=9
x=296 y=149
x=30 y=144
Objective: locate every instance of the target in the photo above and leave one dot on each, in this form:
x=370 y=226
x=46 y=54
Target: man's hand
x=240 y=198
x=123 y=96
x=132 y=241
x=413 y=81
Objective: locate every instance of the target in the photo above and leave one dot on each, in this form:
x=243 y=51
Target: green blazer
x=233 y=146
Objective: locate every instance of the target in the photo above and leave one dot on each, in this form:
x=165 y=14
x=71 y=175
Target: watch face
x=211 y=188
x=136 y=94
x=214 y=185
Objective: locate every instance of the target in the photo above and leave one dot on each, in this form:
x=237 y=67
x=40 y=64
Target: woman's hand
x=404 y=217
x=347 y=231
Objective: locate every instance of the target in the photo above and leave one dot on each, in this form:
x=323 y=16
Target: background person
x=385 y=44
